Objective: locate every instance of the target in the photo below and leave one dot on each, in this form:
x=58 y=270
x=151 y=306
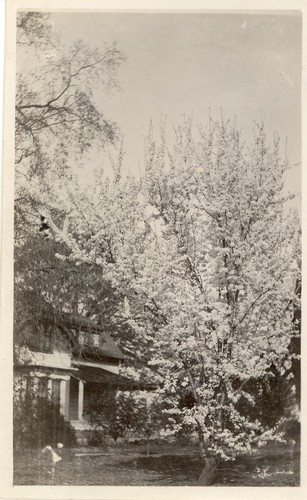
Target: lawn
x=167 y=465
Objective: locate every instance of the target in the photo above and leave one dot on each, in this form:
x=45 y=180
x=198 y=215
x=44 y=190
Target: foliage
x=206 y=254
x=113 y=413
x=266 y=399
x=38 y=422
x=149 y=416
x=56 y=117
x=45 y=287
x=229 y=272
x=122 y=412
x=57 y=124
x=34 y=29
x=295 y=342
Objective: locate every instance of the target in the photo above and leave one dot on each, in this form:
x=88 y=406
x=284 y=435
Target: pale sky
x=183 y=63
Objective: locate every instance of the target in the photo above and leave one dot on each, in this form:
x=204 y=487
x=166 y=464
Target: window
x=55 y=392
x=40 y=340
x=46 y=338
x=89 y=339
x=43 y=387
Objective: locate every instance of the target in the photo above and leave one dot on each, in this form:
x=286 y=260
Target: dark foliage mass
x=271 y=398
x=38 y=422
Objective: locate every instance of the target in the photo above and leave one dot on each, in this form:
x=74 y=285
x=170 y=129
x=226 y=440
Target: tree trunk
x=208 y=474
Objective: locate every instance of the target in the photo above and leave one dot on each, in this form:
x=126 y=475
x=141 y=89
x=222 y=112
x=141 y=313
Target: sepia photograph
x=157 y=247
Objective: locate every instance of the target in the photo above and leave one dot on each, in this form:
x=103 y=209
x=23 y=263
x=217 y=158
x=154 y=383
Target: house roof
x=108 y=348
x=78 y=321
x=45 y=369
x=101 y=376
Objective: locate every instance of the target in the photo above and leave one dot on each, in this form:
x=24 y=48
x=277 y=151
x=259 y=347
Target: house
x=71 y=360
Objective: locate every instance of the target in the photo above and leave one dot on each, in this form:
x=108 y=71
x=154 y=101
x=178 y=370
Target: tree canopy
x=206 y=257
x=57 y=123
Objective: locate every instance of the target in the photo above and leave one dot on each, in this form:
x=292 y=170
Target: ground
x=167 y=465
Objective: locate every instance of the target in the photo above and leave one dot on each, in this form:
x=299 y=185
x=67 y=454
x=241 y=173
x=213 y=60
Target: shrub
x=96 y=438
x=112 y=413
x=37 y=422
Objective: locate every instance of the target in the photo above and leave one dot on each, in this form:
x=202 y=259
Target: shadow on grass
x=271 y=467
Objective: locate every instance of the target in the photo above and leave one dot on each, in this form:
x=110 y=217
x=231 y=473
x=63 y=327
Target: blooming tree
x=226 y=276
x=204 y=252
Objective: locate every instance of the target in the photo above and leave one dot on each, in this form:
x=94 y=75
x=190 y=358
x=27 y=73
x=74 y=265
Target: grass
x=167 y=465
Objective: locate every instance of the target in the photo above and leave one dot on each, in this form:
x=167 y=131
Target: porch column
x=49 y=389
x=67 y=399
x=63 y=394
x=80 y=400
x=22 y=386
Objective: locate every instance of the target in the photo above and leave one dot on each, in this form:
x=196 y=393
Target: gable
x=90 y=339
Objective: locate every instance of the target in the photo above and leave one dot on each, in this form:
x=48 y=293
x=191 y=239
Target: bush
x=112 y=414
x=38 y=422
x=96 y=438
x=291 y=429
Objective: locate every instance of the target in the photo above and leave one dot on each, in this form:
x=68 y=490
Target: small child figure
x=57 y=455
x=48 y=460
